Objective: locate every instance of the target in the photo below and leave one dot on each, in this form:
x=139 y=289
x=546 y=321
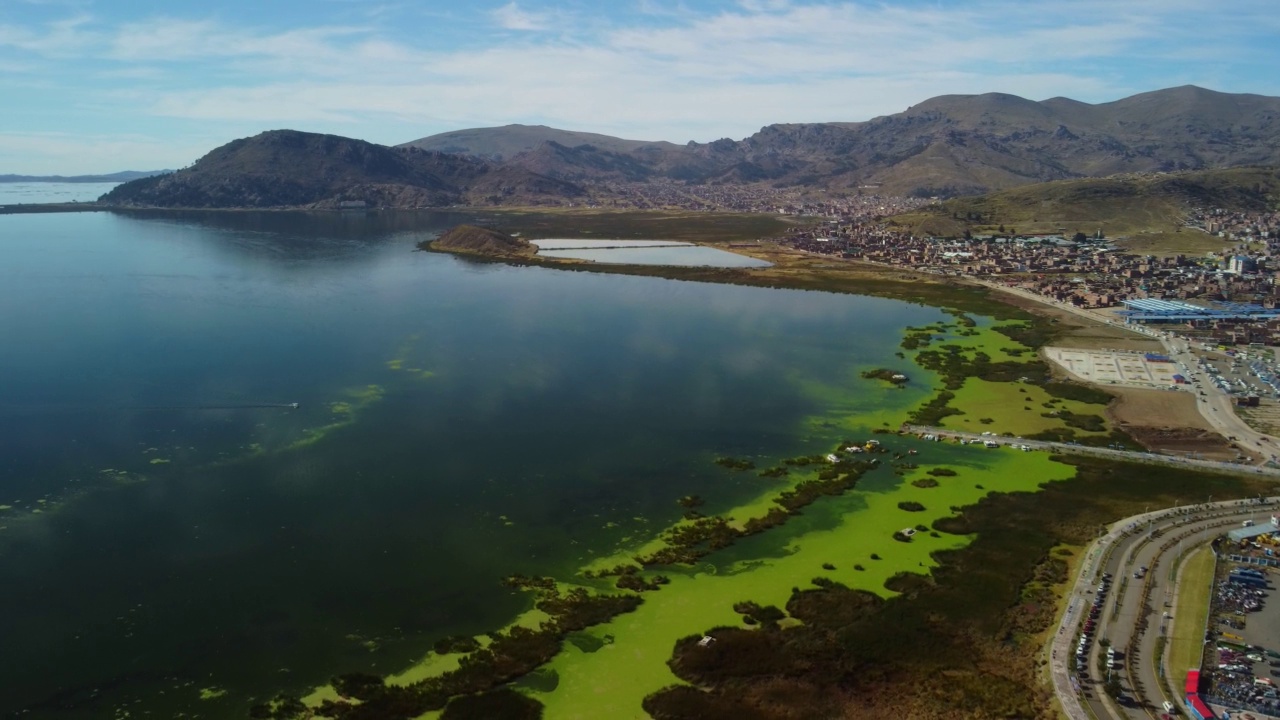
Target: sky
x=94 y=86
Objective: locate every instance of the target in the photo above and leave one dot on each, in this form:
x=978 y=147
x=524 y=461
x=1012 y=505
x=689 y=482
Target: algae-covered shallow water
x=175 y=539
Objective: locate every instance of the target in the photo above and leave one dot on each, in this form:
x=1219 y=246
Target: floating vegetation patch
x=510 y=654
x=893 y=377
x=735 y=464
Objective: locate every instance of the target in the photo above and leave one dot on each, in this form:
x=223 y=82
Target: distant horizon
x=92 y=86
x=6 y=177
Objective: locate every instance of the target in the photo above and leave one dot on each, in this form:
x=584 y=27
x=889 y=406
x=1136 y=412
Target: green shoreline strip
x=607 y=670
x=614 y=679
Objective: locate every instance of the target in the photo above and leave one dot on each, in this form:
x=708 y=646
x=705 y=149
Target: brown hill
x=503 y=143
x=948 y=145
x=287 y=168
x=474 y=240
x=1121 y=205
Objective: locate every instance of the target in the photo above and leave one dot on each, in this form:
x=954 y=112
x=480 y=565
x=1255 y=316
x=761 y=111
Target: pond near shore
x=645 y=252
x=171 y=529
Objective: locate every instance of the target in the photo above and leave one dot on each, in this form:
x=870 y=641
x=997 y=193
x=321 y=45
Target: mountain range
x=946 y=146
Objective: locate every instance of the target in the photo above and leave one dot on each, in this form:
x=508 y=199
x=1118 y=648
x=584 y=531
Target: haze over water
x=168 y=526
x=24 y=193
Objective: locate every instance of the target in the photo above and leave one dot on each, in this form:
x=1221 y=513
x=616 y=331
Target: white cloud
x=700 y=78
x=682 y=74
x=62 y=38
x=511 y=17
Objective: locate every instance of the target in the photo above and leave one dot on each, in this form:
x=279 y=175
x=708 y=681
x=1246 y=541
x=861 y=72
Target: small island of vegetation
x=475 y=240
x=893 y=377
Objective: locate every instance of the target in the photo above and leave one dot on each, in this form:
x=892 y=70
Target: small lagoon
x=645 y=252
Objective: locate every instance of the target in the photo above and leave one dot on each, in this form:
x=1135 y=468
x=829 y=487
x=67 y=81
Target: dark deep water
x=165 y=530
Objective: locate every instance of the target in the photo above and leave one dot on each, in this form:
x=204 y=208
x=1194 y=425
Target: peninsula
x=475 y=240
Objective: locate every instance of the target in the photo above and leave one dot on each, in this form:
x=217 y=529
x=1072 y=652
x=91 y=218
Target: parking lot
x=1244 y=373
x=1244 y=666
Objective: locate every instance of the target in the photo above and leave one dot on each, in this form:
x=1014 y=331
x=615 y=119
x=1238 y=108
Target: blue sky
x=98 y=86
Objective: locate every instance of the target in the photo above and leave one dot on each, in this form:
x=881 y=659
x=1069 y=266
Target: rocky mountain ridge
x=945 y=146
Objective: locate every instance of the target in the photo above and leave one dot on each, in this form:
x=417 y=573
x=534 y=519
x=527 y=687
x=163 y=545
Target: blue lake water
x=48 y=192
x=646 y=252
x=168 y=524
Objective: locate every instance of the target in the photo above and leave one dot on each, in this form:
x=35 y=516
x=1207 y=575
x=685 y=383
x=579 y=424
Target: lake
x=21 y=193
x=645 y=252
x=169 y=524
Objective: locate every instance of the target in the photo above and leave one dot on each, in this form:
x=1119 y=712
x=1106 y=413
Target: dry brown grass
x=1183 y=241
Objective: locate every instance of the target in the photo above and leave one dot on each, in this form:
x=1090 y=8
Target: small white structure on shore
x=706 y=641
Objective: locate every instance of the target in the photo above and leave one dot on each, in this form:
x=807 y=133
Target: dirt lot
x=1265 y=417
x=1180 y=428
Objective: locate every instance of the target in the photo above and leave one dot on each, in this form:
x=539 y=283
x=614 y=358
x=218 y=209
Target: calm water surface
x=646 y=252
x=558 y=244
x=168 y=524
x=49 y=192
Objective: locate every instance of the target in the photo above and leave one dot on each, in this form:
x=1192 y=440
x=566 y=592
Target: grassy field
x=1187 y=642
x=1016 y=408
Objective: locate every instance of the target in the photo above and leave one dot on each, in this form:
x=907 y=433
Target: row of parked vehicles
x=1090 y=627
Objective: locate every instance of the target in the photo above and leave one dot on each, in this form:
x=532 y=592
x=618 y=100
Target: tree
x=1079 y=237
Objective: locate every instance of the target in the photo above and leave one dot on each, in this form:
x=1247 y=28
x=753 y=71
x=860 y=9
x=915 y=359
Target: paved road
x=1155 y=540
x=1127 y=455
x=1217 y=407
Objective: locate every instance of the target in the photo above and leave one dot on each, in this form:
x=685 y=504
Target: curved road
x=1154 y=540
x=1112 y=453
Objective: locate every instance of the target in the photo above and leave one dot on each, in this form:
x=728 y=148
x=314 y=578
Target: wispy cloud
x=667 y=69
x=511 y=17
x=61 y=38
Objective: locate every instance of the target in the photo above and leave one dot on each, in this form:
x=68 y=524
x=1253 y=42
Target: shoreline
x=629 y=662
x=849 y=282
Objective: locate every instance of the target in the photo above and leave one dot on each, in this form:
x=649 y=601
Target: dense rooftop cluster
x=1083 y=271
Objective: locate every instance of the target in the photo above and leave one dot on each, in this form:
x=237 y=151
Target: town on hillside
x=1231 y=297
